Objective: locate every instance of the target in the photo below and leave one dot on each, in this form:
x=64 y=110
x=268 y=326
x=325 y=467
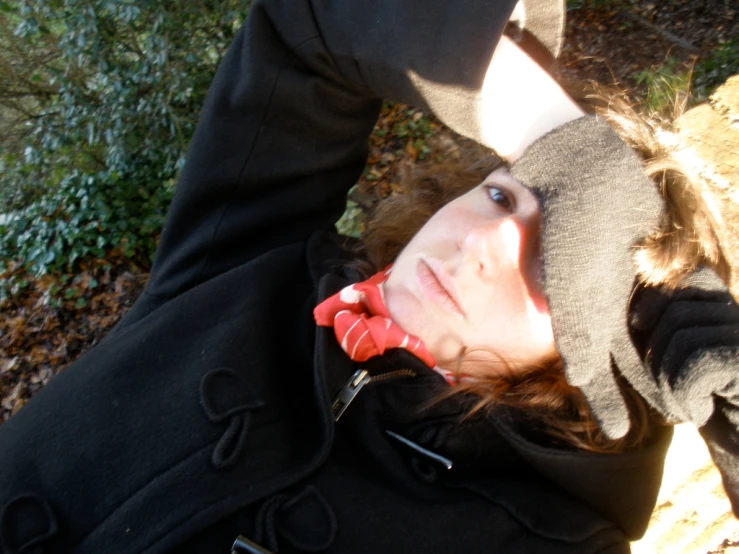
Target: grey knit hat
x=597 y=206
x=538 y=26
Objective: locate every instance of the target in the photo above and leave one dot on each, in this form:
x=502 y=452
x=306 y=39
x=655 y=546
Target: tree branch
x=681 y=42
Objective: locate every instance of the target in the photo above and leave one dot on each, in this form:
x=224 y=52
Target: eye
x=501 y=197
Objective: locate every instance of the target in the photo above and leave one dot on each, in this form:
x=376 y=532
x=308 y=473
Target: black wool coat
x=207 y=412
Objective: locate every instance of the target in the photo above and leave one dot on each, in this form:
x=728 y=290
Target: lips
x=436 y=285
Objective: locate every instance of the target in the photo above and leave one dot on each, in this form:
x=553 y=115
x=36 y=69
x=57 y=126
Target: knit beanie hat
x=538 y=28
x=597 y=205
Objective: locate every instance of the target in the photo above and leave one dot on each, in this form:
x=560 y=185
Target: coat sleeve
x=721 y=434
x=283 y=133
x=689 y=339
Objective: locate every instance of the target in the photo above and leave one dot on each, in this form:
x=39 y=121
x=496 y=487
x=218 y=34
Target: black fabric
x=289 y=114
x=206 y=413
x=307 y=521
x=120 y=445
x=26 y=523
x=373 y=482
x=140 y=489
x=722 y=437
x=689 y=339
x=500 y=449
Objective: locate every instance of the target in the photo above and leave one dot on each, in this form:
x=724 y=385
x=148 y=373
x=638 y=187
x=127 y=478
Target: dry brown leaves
x=40 y=336
x=612 y=45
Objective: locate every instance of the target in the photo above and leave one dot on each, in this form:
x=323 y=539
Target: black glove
x=689 y=339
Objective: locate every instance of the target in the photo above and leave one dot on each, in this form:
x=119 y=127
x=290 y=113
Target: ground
x=607 y=41
x=621 y=43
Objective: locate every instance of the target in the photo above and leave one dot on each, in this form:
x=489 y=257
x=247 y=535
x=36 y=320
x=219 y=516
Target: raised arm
x=283 y=133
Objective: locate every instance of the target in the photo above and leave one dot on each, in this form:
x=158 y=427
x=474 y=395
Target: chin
x=404 y=308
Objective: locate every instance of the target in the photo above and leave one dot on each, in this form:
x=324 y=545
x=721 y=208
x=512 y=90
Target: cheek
x=534 y=338
x=442 y=227
x=539 y=320
x=436 y=238
x=515 y=324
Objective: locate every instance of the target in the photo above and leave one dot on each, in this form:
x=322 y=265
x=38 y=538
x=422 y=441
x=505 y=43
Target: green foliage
x=102 y=97
x=672 y=80
x=84 y=216
x=417 y=127
x=352 y=221
x=664 y=84
x=712 y=71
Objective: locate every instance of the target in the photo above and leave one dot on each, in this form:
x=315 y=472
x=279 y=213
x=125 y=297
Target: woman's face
x=470 y=279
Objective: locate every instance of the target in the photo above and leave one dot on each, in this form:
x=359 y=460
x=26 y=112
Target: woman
x=685 y=239
x=209 y=413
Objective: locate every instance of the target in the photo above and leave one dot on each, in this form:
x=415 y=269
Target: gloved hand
x=597 y=205
x=689 y=339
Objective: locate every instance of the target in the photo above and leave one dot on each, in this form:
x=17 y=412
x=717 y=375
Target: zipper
x=357 y=382
x=392 y=375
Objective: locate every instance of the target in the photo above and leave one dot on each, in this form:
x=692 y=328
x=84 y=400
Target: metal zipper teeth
x=357 y=382
x=392 y=375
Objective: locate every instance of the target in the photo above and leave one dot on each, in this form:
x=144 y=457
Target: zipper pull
x=360 y=378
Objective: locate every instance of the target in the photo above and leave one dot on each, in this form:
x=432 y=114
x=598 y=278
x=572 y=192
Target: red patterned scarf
x=362 y=323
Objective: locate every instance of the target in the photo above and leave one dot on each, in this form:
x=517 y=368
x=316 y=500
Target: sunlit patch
x=350 y=295
x=540 y=321
x=511 y=235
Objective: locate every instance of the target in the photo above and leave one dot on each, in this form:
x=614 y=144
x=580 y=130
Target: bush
x=714 y=69
x=666 y=85
x=100 y=98
x=671 y=81
x=86 y=215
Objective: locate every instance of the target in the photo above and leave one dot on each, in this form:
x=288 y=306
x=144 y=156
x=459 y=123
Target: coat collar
x=492 y=453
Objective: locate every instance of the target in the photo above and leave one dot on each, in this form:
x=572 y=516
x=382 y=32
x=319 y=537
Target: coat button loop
x=26 y=523
x=305 y=520
x=227 y=398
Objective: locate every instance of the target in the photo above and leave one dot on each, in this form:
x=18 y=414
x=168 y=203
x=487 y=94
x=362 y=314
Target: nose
x=499 y=244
